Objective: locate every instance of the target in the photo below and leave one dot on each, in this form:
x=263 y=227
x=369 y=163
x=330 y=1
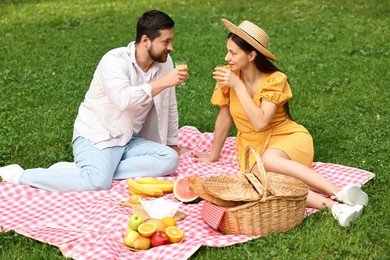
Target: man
x=131 y=95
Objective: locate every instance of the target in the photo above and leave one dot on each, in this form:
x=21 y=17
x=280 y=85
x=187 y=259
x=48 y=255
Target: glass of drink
x=181 y=66
x=218 y=68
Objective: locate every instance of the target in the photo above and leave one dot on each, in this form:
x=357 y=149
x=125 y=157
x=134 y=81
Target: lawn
x=335 y=54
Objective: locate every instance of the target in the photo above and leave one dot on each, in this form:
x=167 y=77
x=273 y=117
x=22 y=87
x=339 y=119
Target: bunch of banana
x=149 y=186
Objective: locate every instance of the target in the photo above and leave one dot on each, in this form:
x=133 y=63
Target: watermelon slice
x=183 y=193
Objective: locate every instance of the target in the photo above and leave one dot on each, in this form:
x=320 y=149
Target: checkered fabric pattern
x=91 y=225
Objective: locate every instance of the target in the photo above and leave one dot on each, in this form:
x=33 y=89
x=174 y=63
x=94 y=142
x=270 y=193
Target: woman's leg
x=277 y=161
x=146 y=158
x=94 y=172
x=316 y=201
x=345 y=214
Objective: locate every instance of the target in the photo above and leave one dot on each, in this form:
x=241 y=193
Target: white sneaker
x=11 y=172
x=351 y=194
x=345 y=214
x=61 y=165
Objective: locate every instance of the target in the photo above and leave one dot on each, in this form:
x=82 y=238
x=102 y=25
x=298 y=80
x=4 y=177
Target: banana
x=151 y=180
x=133 y=192
x=165 y=187
x=139 y=189
x=151 y=193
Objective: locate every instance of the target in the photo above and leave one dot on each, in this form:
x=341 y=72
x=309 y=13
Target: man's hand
x=171 y=79
x=180 y=150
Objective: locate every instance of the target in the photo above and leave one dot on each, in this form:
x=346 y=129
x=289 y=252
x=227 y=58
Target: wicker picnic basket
x=271 y=202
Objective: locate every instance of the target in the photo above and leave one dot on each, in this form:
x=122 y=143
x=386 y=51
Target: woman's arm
x=259 y=117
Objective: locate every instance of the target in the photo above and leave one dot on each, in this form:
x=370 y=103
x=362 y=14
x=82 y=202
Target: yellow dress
x=282 y=133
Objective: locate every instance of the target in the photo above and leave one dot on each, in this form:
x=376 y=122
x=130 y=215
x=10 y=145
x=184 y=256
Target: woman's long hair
x=261 y=62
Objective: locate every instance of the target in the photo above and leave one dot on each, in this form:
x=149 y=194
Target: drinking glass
x=182 y=66
x=217 y=68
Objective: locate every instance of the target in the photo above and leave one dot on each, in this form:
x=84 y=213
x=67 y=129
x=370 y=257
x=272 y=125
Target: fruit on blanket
x=183 y=193
x=136 y=188
x=130 y=237
x=151 y=180
x=128 y=230
x=160 y=225
x=135 y=198
x=169 y=221
x=135 y=221
x=156 y=193
x=174 y=234
x=147 y=229
x=165 y=187
x=141 y=243
x=159 y=238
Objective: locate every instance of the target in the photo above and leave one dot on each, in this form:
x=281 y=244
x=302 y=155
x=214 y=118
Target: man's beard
x=161 y=57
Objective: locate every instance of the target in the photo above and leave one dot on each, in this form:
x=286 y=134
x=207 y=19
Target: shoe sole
x=355 y=215
x=357 y=196
x=5 y=172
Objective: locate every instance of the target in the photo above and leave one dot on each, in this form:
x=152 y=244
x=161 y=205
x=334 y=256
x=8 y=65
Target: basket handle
x=261 y=175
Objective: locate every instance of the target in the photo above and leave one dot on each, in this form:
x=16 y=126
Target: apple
x=135 y=221
x=159 y=238
x=128 y=230
x=130 y=237
x=141 y=243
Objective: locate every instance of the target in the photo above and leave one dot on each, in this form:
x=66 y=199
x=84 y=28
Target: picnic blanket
x=91 y=225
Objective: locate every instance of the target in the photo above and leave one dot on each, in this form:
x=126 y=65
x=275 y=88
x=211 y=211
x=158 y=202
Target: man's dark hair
x=150 y=24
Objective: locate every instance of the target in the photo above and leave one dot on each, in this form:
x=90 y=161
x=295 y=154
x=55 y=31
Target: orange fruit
x=147 y=229
x=174 y=234
x=135 y=198
x=161 y=226
x=169 y=221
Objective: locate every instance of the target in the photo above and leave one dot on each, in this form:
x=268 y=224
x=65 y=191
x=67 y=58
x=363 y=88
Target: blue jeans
x=97 y=168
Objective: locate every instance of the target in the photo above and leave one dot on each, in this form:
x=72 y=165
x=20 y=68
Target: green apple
x=141 y=243
x=135 y=221
x=130 y=237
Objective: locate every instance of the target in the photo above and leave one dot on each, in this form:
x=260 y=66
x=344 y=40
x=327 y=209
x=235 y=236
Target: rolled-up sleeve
x=113 y=74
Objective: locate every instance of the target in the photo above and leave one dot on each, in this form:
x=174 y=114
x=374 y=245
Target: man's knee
x=96 y=182
x=172 y=161
x=169 y=162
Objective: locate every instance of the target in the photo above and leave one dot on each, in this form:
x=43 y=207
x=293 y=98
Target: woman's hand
x=225 y=76
x=204 y=157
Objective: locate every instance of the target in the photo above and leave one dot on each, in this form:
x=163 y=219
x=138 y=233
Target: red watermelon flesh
x=183 y=193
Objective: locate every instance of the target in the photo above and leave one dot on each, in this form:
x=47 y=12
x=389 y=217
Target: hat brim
x=237 y=31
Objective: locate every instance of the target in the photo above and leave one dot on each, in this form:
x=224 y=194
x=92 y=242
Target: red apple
x=159 y=238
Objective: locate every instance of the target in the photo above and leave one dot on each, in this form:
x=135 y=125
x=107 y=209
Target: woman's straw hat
x=252 y=34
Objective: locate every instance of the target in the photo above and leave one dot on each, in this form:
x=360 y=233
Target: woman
x=254 y=93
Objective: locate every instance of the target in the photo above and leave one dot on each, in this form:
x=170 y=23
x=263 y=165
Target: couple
x=127 y=125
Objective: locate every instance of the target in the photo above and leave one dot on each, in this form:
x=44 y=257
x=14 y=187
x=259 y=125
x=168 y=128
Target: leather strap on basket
x=257 y=179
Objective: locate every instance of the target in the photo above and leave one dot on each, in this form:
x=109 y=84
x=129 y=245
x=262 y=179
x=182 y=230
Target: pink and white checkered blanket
x=91 y=225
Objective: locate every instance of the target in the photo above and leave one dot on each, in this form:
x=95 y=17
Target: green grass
x=336 y=56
